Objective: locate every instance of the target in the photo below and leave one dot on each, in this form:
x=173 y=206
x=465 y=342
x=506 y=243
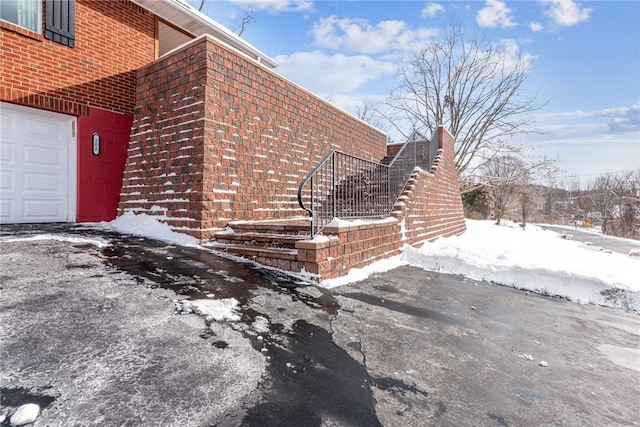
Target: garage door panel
x=6 y=209
x=50 y=184
x=7 y=152
x=35 y=157
x=41 y=210
x=5 y=123
x=7 y=181
x=42 y=127
x=37 y=165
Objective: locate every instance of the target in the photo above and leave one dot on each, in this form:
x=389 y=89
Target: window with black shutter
x=60 y=21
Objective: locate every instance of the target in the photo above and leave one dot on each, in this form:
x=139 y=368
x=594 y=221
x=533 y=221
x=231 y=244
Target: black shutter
x=60 y=21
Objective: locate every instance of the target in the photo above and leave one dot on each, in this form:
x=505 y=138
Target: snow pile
x=536 y=260
x=532 y=259
x=147 y=226
x=319 y=238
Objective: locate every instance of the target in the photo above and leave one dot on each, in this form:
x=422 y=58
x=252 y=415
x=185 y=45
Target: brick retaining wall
x=218 y=137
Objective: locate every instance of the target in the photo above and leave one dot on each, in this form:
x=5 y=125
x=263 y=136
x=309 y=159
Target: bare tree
x=470 y=86
x=367 y=113
x=240 y=26
x=615 y=202
x=247 y=19
x=604 y=195
x=506 y=175
x=527 y=203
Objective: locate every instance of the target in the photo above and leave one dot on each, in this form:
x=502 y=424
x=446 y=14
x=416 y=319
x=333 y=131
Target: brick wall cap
x=315 y=245
x=346 y=225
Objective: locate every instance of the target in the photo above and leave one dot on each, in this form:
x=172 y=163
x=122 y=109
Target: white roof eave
x=186 y=17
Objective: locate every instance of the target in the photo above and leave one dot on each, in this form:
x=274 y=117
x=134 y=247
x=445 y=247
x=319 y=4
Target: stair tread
x=253 y=235
x=272 y=226
x=282 y=253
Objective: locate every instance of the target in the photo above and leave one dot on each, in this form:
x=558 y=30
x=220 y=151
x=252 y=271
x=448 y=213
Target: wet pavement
x=614 y=244
x=91 y=334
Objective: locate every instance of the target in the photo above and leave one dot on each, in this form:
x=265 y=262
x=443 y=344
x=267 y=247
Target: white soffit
x=186 y=17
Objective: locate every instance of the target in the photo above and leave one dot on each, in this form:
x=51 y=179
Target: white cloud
x=631 y=114
x=536 y=26
x=431 y=9
x=327 y=75
x=620 y=125
x=513 y=57
x=566 y=13
x=277 y=6
x=358 y=35
x=351 y=102
x=495 y=14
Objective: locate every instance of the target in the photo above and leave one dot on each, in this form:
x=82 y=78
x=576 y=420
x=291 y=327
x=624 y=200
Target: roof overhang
x=191 y=20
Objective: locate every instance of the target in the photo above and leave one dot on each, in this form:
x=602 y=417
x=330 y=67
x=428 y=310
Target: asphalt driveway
x=615 y=244
x=92 y=335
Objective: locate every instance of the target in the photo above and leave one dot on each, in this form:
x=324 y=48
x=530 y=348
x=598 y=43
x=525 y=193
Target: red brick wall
x=430 y=207
x=113 y=39
x=221 y=138
x=165 y=164
x=100 y=176
x=393 y=149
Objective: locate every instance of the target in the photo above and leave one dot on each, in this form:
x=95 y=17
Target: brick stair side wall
x=431 y=207
x=164 y=170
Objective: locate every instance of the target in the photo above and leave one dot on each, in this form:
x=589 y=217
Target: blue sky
x=585 y=61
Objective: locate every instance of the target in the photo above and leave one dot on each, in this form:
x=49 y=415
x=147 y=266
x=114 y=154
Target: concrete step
x=260 y=239
x=271 y=243
x=254 y=251
x=287 y=227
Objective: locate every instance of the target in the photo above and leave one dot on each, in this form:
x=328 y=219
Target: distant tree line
x=609 y=201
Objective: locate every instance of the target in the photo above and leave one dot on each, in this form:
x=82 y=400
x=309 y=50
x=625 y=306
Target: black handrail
x=310 y=177
x=346 y=186
x=335 y=184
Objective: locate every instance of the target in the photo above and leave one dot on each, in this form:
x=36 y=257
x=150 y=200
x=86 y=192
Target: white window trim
x=38 y=29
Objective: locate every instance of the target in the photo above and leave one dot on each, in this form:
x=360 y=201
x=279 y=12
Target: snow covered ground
x=532 y=259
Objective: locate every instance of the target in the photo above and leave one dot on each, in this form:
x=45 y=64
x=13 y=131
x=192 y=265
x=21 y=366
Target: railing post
x=313 y=207
x=333 y=186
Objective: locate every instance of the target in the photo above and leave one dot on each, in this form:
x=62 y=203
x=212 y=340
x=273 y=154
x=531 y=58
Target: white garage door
x=37 y=165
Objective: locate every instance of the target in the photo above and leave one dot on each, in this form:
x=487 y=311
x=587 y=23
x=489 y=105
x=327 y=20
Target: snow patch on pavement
x=96 y=241
x=357 y=274
x=25 y=414
x=220 y=310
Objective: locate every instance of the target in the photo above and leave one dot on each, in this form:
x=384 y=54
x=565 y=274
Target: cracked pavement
x=91 y=335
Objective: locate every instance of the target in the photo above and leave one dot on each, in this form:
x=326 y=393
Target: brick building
x=150 y=106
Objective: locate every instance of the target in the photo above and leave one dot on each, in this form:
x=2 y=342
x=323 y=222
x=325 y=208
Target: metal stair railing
x=346 y=186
